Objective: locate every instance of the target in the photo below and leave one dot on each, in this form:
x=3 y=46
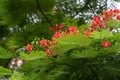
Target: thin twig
x=40 y=9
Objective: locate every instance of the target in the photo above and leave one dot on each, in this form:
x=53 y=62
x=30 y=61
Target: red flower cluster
x=47 y=51
x=106 y=44
x=29 y=47
x=57 y=27
x=96 y=23
x=108 y=14
x=118 y=17
x=57 y=35
x=43 y=43
x=71 y=29
x=46 y=44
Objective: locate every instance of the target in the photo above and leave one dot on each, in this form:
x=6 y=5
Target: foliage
x=24 y=17
x=32 y=55
x=88 y=53
x=5 y=53
x=71 y=51
x=5 y=71
x=18 y=76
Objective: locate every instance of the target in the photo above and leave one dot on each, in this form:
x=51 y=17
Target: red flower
x=107 y=14
x=94 y=23
x=116 y=10
x=57 y=35
x=104 y=12
x=71 y=29
x=47 y=51
x=57 y=27
x=96 y=18
x=43 y=43
x=88 y=33
x=118 y=17
x=100 y=25
x=51 y=43
x=106 y=44
x=29 y=47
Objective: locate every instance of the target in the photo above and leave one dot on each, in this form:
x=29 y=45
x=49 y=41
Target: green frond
x=5 y=71
x=15 y=41
x=101 y=34
x=37 y=30
x=84 y=26
x=70 y=22
x=47 y=5
x=15 y=11
x=58 y=71
x=18 y=76
x=5 y=53
x=31 y=66
x=71 y=41
x=36 y=69
x=113 y=49
x=87 y=53
x=115 y=71
x=113 y=23
x=112 y=67
x=116 y=37
x=32 y=55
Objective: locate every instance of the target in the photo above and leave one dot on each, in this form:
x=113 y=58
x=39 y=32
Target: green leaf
x=70 y=41
x=116 y=37
x=47 y=5
x=5 y=71
x=101 y=34
x=96 y=35
x=106 y=34
x=5 y=53
x=113 y=23
x=88 y=53
x=32 y=55
x=112 y=49
x=75 y=39
x=18 y=76
x=16 y=8
x=57 y=71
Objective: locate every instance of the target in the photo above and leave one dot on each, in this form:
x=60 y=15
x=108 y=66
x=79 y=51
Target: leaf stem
x=40 y=9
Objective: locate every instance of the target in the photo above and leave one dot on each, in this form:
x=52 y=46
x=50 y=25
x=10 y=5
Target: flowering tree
x=73 y=53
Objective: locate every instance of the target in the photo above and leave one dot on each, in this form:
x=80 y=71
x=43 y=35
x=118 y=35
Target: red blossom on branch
x=106 y=44
x=116 y=11
x=57 y=27
x=97 y=23
x=43 y=43
x=118 y=17
x=48 y=52
x=29 y=47
x=71 y=29
x=57 y=35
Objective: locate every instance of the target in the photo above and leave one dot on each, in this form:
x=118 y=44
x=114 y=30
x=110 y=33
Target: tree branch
x=39 y=8
x=82 y=8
